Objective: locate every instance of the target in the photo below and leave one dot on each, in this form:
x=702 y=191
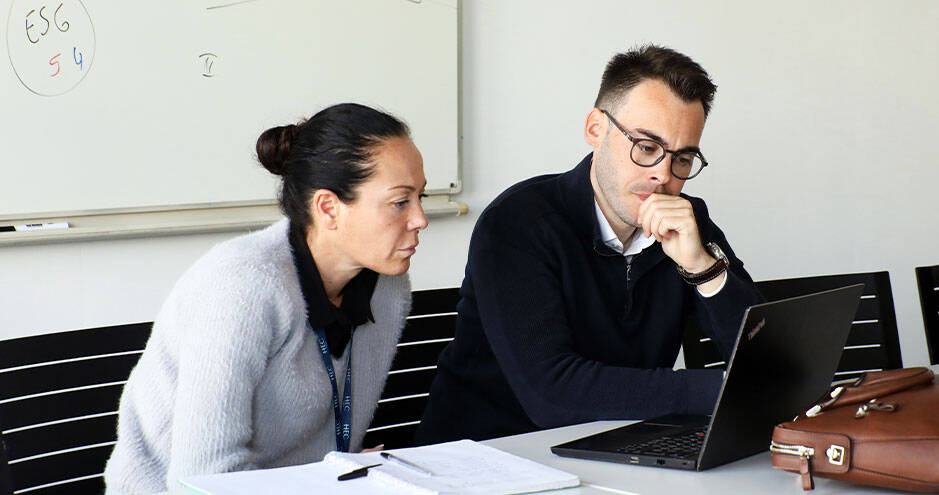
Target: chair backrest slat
x=417 y=356
x=61 y=467
x=865 y=333
x=54 y=407
x=434 y=301
x=392 y=437
x=863 y=359
x=60 y=436
x=90 y=485
x=420 y=329
x=406 y=383
x=392 y=412
x=67 y=375
x=74 y=344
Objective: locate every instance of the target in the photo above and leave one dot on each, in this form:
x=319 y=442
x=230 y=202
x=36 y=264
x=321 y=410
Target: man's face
x=649 y=110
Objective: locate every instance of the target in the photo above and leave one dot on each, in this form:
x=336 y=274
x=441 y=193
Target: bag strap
x=871 y=386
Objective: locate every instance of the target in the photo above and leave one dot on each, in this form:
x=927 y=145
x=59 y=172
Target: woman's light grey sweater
x=232 y=377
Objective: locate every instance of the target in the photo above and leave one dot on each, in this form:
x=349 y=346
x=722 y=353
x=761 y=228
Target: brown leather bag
x=882 y=430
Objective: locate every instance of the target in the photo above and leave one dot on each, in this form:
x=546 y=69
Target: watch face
x=716 y=251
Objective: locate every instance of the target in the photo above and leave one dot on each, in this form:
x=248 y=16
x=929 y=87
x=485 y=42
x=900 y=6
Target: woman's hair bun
x=273 y=147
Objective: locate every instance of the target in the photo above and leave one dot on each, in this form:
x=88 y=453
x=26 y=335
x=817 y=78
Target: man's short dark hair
x=684 y=76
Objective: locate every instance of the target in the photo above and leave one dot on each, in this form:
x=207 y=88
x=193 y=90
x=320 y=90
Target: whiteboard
x=136 y=104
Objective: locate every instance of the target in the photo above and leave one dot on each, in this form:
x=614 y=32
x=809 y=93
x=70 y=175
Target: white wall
x=821 y=144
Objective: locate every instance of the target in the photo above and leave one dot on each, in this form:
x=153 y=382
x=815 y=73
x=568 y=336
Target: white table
x=752 y=475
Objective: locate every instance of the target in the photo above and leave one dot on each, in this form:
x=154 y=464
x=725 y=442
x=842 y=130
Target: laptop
x=785 y=356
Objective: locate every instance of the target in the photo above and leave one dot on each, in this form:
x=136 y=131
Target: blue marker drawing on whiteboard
x=35 y=226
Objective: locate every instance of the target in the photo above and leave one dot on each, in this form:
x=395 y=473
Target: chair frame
x=927 y=280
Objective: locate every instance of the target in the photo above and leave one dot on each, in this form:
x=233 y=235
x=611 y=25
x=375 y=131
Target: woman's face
x=379 y=229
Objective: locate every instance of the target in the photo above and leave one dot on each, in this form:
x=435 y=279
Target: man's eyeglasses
x=649 y=152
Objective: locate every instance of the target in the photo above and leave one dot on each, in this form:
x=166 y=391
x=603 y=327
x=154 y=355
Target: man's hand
x=671 y=220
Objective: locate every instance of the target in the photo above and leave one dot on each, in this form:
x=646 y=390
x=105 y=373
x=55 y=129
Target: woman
x=234 y=376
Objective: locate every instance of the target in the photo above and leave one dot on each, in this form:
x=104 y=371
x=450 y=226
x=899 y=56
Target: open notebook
x=462 y=467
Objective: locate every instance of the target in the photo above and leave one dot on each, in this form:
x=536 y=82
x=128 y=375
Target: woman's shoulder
x=263 y=250
x=258 y=259
x=268 y=246
x=246 y=283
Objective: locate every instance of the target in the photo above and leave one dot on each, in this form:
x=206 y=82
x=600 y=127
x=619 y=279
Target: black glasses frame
x=671 y=167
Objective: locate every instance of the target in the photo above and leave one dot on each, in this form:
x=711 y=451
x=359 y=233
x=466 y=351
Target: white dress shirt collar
x=637 y=242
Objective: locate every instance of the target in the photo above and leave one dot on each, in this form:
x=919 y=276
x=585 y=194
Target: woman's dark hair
x=331 y=150
x=683 y=76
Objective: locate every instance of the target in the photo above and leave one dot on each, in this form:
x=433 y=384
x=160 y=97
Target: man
x=578 y=285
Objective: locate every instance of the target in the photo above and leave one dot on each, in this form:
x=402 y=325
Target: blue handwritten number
x=77 y=56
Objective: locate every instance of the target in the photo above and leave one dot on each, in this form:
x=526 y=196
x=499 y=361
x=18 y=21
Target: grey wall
x=821 y=143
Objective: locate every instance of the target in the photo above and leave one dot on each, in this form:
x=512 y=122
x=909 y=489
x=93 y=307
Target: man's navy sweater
x=555 y=328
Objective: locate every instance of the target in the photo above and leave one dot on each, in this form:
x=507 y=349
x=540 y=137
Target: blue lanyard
x=343 y=415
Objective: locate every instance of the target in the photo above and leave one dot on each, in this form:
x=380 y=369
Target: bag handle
x=871 y=386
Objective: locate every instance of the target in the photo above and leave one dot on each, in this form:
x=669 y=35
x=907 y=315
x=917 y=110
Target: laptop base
x=634 y=444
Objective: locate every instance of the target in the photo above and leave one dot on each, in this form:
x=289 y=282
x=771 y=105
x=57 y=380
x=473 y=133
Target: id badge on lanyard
x=342 y=412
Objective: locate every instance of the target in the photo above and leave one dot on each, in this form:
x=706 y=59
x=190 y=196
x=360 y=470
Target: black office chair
x=58 y=407
x=873 y=343
x=430 y=327
x=59 y=395
x=927 y=278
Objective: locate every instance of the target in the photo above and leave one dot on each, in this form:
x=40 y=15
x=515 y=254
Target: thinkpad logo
x=755 y=330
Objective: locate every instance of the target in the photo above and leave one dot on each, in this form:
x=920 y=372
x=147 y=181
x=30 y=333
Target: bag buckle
x=872 y=405
x=835 y=455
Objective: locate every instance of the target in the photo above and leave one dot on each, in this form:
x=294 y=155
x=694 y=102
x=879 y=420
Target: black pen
x=406 y=463
x=356 y=473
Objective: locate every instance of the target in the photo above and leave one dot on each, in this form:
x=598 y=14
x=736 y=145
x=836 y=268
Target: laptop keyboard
x=685 y=444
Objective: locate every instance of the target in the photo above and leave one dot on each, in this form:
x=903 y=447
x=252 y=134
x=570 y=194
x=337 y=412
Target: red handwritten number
x=54 y=62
